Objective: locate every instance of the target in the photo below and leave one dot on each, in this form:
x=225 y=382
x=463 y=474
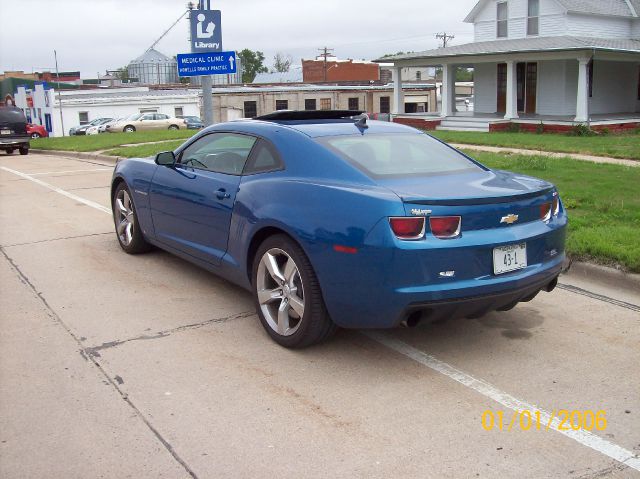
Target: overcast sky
x=95 y=35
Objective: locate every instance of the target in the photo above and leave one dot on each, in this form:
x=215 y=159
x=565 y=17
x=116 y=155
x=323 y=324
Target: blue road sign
x=201 y=64
x=206 y=31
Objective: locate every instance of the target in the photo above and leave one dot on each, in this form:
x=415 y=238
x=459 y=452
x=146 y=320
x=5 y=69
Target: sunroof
x=293 y=115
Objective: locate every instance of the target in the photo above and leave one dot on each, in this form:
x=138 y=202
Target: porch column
x=512 y=91
x=582 y=102
x=398 y=97
x=448 y=92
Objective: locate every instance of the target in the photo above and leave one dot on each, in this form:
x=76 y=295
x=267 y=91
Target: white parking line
x=620 y=454
x=68 y=171
x=79 y=199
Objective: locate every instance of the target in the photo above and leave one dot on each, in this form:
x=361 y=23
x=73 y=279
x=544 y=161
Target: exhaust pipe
x=552 y=285
x=412 y=320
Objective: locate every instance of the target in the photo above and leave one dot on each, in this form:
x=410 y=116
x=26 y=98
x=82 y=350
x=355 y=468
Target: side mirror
x=166 y=158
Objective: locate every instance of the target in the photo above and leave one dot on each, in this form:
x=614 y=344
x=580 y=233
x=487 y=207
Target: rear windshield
x=12 y=115
x=398 y=154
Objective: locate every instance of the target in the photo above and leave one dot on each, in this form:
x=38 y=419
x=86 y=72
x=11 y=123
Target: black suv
x=13 y=130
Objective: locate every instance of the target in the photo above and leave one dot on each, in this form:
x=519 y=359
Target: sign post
x=206 y=36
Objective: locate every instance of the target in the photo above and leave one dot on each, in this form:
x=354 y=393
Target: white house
x=562 y=62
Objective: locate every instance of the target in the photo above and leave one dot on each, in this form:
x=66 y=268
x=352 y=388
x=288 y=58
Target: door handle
x=222 y=194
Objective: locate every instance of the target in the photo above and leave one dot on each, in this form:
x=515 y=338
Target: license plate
x=5 y=132
x=509 y=258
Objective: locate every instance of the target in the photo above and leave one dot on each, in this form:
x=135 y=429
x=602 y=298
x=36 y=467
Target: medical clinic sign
x=214 y=63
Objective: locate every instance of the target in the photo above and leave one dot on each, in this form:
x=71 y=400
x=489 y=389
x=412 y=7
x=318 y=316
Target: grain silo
x=154 y=68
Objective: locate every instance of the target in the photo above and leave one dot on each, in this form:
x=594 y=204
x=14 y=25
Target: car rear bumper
x=15 y=141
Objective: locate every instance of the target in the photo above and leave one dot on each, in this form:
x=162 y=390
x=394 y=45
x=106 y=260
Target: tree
x=122 y=74
x=252 y=64
x=387 y=55
x=281 y=62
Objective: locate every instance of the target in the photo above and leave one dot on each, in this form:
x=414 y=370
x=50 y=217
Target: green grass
x=602 y=201
x=142 y=151
x=626 y=145
x=106 y=141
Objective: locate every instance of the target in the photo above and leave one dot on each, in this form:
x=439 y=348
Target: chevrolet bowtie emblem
x=509 y=219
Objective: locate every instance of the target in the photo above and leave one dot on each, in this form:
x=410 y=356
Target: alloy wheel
x=280 y=292
x=125 y=217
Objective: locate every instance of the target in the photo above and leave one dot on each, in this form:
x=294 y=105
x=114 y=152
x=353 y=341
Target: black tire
x=315 y=325
x=9 y=151
x=24 y=150
x=174 y=127
x=129 y=129
x=35 y=135
x=137 y=244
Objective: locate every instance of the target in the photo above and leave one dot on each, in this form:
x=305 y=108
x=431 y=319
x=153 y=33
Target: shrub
x=540 y=128
x=581 y=130
x=604 y=132
x=514 y=128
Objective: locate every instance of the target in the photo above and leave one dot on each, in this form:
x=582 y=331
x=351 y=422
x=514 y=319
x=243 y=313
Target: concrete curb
x=548 y=154
x=78 y=154
x=611 y=277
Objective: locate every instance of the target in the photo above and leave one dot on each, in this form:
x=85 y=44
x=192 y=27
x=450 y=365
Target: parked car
x=82 y=129
x=193 y=122
x=331 y=221
x=103 y=128
x=37 y=131
x=13 y=130
x=147 y=121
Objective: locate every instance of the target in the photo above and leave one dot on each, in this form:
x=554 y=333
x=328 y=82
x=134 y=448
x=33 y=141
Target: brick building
x=334 y=70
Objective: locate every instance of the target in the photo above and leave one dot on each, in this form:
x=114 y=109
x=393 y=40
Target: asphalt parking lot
x=146 y=366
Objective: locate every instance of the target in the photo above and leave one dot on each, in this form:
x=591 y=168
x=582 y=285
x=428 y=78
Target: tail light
x=445 y=227
x=545 y=211
x=555 y=205
x=408 y=228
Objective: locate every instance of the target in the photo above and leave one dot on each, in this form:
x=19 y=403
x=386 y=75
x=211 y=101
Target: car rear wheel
x=35 y=135
x=174 y=127
x=24 y=150
x=9 y=151
x=126 y=221
x=129 y=129
x=288 y=296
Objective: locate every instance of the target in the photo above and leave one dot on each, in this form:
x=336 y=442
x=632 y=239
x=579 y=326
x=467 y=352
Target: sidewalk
x=550 y=154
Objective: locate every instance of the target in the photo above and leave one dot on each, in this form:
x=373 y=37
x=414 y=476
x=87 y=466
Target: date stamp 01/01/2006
x=561 y=420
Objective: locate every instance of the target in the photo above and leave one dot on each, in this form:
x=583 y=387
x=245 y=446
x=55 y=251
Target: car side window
x=147 y=117
x=263 y=158
x=160 y=116
x=219 y=152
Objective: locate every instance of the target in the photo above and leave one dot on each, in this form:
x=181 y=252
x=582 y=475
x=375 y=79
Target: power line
x=445 y=38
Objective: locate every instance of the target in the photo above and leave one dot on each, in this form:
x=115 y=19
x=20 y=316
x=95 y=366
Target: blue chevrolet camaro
x=337 y=221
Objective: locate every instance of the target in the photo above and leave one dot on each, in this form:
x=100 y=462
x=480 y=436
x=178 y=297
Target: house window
x=503 y=20
x=250 y=109
x=83 y=117
x=385 y=104
x=310 y=104
x=590 y=75
x=533 y=19
x=354 y=103
x=325 y=103
x=418 y=76
x=178 y=111
x=282 y=104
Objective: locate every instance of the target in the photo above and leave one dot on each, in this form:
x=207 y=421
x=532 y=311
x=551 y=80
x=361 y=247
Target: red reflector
x=344 y=249
x=545 y=211
x=408 y=228
x=445 y=226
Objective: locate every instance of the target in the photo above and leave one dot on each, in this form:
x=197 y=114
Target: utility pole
x=445 y=38
x=55 y=55
x=326 y=52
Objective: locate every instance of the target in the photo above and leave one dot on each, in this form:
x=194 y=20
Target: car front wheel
x=126 y=222
x=35 y=135
x=129 y=129
x=174 y=127
x=288 y=296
